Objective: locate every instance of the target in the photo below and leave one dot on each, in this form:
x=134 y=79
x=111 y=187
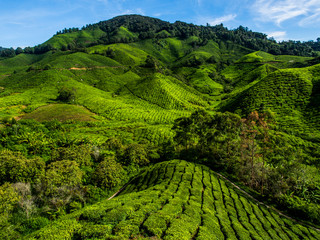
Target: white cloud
x=314 y=18
x=132 y=11
x=278 y=35
x=222 y=19
x=118 y=7
x=278 y=11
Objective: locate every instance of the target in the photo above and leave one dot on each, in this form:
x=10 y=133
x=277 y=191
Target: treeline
x=67 y=30
x=11 y=52
x=40 y=49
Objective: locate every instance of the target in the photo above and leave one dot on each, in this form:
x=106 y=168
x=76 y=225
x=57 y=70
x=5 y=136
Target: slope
x=176 y=200
x=287 y=92
x=84 y=37
x=167 y=92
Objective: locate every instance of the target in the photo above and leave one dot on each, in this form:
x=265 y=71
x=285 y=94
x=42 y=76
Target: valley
x=116 y=103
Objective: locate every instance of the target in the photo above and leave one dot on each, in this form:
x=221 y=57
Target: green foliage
x=131 y=80
x=14 y=167
x=34 y=224
x=108 y=173
x=204 y=135
x=8 y=197
x=177 y=200
x=66 y=95
x=60 y=112
x=62 y=173
x=136 y=154
x=60 y=230
x=167 y=93
x=252 y=152
x=96 y=231
x=80 y=154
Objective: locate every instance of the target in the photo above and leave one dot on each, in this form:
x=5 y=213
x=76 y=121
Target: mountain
x=131 y=28
x=94 y=109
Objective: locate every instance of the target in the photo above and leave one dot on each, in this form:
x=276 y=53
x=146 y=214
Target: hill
x=132 y=28
x=90 y=108
x=177 y=200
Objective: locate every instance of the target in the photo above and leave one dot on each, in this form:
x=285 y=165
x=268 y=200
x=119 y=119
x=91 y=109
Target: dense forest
x=211 y=129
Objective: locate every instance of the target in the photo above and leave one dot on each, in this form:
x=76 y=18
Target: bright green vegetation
x=288 y=92
x=83 y=37
x=177 y=200
x=87 y=110
x=254 y=151
x=60 y=112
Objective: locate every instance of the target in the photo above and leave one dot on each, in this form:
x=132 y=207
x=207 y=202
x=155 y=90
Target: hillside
x=177 y=200
x=92 y=108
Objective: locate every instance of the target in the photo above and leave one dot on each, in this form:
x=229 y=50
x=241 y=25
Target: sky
x=31 y=22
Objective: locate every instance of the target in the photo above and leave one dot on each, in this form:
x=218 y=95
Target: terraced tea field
x=177 y=200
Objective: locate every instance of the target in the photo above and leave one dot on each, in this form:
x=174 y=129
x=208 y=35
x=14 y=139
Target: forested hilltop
x=111 y=107
x=141 y=27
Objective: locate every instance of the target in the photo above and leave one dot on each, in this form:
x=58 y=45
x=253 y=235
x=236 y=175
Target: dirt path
x=90 y=68
x=121 y=189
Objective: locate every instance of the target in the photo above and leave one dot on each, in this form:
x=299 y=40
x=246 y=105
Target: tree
x=110 y=53
x=14 y=167
x=210 y=137
x=61 y=185
x=189 y=130
x=222 y=140
x=8 y=52
x=26 y=200
x=62 y=173
x=80 y=154
x=8 y=200
x=108 y=173
x=64 y=48
x=66 y=94
x=254 y=138
x=151 y=62
x=19 y=50
x=136 y=154
x=28 y=50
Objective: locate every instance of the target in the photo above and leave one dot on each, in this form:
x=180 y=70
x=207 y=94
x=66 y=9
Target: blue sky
x=31 y=22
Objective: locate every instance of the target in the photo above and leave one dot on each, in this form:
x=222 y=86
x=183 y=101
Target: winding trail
x=121 y=189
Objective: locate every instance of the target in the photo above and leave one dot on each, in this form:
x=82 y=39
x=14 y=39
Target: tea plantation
x=177 y=200
x=110 y=106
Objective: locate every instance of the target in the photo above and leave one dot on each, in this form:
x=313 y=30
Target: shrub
x=90 y=231
x=66 y=94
